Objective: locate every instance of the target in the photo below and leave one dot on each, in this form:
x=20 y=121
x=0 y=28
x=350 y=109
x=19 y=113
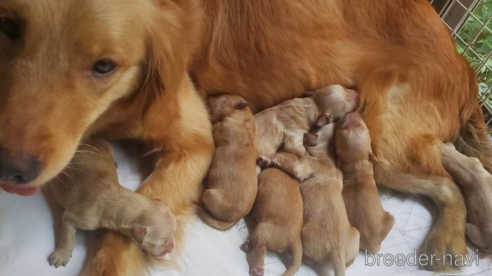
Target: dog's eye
x=104 y=67
x=10 y=27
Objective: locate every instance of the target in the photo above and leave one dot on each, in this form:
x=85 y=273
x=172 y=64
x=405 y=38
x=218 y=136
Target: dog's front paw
x=264 y=161
x=60 y=258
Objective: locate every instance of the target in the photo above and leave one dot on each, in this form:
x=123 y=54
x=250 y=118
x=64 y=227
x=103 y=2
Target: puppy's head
x=352 y=139
x=63 y=64
x=336 y=100
x=224 y=105
x=155 y=233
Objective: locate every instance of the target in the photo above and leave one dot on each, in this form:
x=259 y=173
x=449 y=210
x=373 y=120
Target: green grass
x=482 y=45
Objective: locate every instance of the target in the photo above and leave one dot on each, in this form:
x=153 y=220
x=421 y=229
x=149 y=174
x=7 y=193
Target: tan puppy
x=287 y=122
x=365 y=212
x=476 y=184
x=231 y=181
x=97 y=200
x=327 y=236
x=278 y=211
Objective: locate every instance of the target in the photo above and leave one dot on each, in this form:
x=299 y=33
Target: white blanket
x=27 y=238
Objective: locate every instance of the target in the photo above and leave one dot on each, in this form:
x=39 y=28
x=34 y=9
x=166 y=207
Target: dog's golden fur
x=415 y=88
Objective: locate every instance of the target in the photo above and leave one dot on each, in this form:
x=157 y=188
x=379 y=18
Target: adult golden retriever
x=124 y=69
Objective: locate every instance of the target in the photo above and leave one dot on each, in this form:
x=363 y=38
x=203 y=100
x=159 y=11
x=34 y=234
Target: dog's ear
x=310 y=139
x=306 y=94
x=323 y=120
x=167 y=56
x=241 y=105
x=373 y=158
x=138 y=233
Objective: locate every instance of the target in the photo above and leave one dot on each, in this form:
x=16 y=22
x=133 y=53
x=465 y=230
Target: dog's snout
x=18 y=169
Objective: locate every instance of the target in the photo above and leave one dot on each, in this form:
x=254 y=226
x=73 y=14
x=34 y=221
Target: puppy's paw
x=246 y=246
x=60 y=258
x=256 y=271
x=264 y=161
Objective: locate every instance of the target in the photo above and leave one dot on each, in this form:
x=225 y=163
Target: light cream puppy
x=286 y=123
x=360 y=194
x=231 y=184
x=97 y=200
x=327 y=236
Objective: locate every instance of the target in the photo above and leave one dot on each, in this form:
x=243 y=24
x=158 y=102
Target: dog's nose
x=18 y=169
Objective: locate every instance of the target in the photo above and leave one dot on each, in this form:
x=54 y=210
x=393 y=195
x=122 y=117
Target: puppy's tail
x=296 y=251
x=473 y=139
x=206 y=217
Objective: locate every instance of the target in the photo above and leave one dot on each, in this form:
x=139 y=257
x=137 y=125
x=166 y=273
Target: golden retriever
x=231 y=180
x=364 y=208
x=124 y=69
x=327 y=236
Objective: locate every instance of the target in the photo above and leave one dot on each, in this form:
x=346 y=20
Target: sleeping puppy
x=231 y=182
x=287 y=122
x=97 y=200
x=327 y=236
x=365 y=212
x=476 y=184
x=278 y=211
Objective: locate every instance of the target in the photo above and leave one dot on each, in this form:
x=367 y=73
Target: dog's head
x=64 y=63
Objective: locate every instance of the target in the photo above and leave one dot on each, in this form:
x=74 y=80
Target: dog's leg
x=476 y=184
x=256 y=259
x=289 y=163
x=447 y=236
x=185 y=148
x=63 y=252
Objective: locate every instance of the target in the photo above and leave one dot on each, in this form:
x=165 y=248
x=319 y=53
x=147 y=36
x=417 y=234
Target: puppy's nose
x=18 y=169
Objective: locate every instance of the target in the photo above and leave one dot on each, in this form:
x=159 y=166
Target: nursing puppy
x=476 y=184
x=278 y=211
x=231 y=182
x=97 y=200
x=287 y=122
x=365 y=212
x=327 y=236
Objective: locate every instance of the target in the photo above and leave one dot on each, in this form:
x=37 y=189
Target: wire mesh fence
x=470 y=24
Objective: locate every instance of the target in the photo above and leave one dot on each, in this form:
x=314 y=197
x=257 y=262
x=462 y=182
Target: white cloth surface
x=28 y=226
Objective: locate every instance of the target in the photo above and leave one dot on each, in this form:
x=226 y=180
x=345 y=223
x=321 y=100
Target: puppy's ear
x=310 y=139
x=373 y=158
x=138 y=233
x=323 y=120
x=306 y=94
x=241 y=105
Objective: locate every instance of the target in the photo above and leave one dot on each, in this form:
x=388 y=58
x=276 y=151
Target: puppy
x=476 y=184
x=278 y=211
x=365 y=212
x=231 y=182
x=97 y=200
x=327 y=236
x=287 y=122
